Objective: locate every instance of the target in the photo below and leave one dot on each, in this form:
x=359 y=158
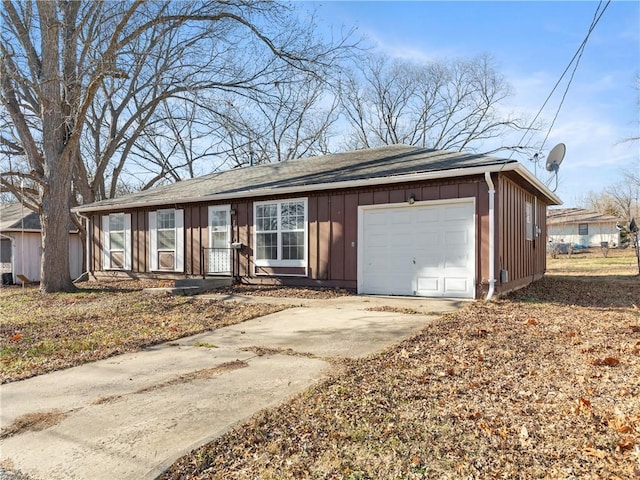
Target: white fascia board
x=533 y=180
x=262 y=192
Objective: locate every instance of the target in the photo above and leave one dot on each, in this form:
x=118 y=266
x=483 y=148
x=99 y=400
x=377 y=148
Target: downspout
x=492 y=236
x=87 y=249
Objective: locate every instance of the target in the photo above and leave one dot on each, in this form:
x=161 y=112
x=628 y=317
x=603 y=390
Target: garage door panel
x=428 y=286
x=456 y=261
x=400 y=217
x=456 y=237
x=423 y=249
x=454 y=213
x=456 y=285
x=428 y=216
x=377 y=218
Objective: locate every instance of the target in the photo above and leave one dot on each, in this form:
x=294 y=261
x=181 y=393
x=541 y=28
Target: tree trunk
x=54 y=269
x=56 y=192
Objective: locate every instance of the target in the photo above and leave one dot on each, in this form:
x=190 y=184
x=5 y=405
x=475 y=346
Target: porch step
x=204 y=284
x=172 y=290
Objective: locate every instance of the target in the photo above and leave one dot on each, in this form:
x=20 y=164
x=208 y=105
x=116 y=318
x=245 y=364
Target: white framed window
x=116 y=228
x=529 y=220
x=166 y=237
x=583 y=229
x=280 y=233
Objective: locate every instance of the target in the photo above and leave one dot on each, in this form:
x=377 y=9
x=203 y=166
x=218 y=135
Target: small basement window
x=583 y=229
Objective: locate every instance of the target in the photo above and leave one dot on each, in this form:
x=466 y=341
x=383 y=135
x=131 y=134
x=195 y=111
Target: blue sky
x=532 y=43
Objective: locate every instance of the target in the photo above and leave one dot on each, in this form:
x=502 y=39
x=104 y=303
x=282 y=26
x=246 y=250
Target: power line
x=576 y=57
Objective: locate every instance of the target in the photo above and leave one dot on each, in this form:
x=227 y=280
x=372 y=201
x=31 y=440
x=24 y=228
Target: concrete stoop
x=192 y=286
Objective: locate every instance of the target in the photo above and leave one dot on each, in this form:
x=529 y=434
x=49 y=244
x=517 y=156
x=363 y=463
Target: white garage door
x=426 y=249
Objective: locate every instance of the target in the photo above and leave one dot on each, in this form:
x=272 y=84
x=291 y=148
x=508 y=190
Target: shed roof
x=374 y=166
x=557 y=216
x=12 y=215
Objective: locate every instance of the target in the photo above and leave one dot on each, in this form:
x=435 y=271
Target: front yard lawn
x=542 y=384
x=41 y=333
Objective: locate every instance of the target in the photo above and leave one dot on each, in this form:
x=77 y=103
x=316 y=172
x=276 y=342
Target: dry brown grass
x=542 y=384
x=33 y=422
x=592 y=262
x=41 y=333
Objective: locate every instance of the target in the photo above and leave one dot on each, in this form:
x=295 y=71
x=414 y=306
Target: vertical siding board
x=143 y=242
x=365 y=198
x=200 y=231
x=95 y=234
x=324 y=237
x=134 y=242
x=482 y=210
x=449 y=191
x=351 y=236
x=541 y=240
x=469 y=189
x=397 y=196
x=337 y=237
x=430 y=193
x=313 y=260
x=188 y=240
x=250 y=227
x=380 y=197
x=136 y=255
x=242 y=219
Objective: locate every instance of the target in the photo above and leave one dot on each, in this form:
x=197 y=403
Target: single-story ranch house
x=396 y=220
x=580 y=226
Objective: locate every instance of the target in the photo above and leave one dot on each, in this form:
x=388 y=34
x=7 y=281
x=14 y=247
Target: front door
x=220 y=255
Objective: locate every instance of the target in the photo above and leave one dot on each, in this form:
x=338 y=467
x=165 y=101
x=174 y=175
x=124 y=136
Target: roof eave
x=413 y=177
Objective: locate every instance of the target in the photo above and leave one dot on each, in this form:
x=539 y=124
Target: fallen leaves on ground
x=41 y=333
x=506 y=389
x=282 y=291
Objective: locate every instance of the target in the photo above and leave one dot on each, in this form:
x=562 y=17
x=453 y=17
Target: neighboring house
x=393 y=220
x=21 y=244
x=579 y=226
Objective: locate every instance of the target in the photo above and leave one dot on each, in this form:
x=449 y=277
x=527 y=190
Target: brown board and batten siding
x=332 y=230
x=333 y=227
x=523 y=260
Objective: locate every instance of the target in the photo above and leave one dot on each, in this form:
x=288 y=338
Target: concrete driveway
x=131 y=416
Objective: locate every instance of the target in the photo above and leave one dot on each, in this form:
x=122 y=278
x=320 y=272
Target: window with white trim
x=583 y=229
x=281 y=233
x=117 y=241
x=167 y=240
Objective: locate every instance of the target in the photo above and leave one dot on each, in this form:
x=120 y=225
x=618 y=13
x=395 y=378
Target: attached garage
x=424 y=249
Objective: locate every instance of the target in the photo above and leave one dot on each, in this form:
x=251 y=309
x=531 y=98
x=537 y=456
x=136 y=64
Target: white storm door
x=220 y=254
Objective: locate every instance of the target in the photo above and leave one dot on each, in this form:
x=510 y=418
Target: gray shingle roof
x=373 y=164
x=11 y=215
x=557 y=216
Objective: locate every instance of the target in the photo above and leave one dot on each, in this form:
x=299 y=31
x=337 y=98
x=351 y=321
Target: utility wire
x=576 y=57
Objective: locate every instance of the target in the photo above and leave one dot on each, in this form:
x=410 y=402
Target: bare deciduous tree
x=451 y=106
x=294 y=120
x=82 y=81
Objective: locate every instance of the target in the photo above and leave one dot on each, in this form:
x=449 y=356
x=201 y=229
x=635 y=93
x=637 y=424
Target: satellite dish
x=556 y=155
